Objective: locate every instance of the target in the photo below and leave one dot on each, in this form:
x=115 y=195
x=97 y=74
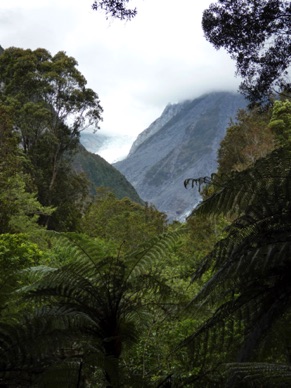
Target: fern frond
x=251 y=267
x=32 y=344
x=247 y=187
x=151 y=253
x=258 y=374
x=92 y=304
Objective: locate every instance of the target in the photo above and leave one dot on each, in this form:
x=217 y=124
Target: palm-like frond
x=150 y=254
x=251 y=268
x=243 y=189
x=31 y=344
x=258 y=375
x=87 y=308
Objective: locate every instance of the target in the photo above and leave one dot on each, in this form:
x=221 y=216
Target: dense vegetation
x=103 y=292
x=100 y=173
x=256 y=33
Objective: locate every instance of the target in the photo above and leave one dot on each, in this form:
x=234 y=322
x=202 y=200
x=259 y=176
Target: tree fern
x=32 y=344
x=251 y=268
x=258 y=374
x=269 y=176
x=88 y=309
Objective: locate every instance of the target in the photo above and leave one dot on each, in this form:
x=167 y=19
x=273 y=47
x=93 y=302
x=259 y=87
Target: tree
x=247 y=139
x=249 y=287
x=16 y=253
x=122 y=221
x=50 y=105
x=256 y=34
x=19 y=207
x=280 y=122
x=90 y=310
x=115 y=8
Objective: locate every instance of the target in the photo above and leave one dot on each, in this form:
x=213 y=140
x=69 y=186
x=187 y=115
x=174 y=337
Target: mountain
x=181 y=144
x=101 y=173
x=170 y=111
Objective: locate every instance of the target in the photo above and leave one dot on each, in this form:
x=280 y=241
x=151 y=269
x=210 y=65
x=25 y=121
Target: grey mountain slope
x=170 y=111
x=183 y=146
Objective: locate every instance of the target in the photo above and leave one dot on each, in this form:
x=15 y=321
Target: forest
x=98 y=291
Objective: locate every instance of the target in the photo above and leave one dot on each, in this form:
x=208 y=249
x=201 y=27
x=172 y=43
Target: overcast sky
x=136 y=67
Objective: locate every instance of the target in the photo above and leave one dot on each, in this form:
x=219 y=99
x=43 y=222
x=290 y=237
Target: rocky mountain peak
x=170 y=111
x=180 y=144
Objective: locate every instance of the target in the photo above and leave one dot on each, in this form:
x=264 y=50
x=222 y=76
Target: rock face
x=181 y=144
x=170 y=111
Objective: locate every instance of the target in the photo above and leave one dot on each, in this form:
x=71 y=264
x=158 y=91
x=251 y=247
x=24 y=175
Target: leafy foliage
x=281 y=122
x=101 y=174
x=246 y=274
x=16 y=254
x=249 y=288
x=256 y=34
x=90 y=309
x=19 y=207
x=122 y=221
x=247 y=139
x=25 y=345
x=49 y=105
x=115 y=8
x=264 y=374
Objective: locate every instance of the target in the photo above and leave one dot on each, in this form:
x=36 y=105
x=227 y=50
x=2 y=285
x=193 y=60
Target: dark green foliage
x=27 y=343
x=16 y=254
x=256 y=34
x=115 y=8
x=101 y=174
x=49 y=105
x=122 y=221
x=250 y=282
x=90 y=311
x=70 y=199
x=247 y=139
x=198 y=182
x=248 y=375
x=19 y=208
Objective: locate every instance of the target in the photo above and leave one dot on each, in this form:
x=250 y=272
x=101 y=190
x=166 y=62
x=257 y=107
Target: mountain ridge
x=169 y=111
x=179 y=146
x=100 y=173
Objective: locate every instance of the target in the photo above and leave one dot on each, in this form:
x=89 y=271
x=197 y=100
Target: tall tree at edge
x=51 y=105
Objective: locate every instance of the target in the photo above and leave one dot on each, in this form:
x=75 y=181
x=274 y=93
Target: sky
x=136 y=67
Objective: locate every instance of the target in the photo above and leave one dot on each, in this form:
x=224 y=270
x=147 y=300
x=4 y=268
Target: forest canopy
x=103 y=291
x=257 y=35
